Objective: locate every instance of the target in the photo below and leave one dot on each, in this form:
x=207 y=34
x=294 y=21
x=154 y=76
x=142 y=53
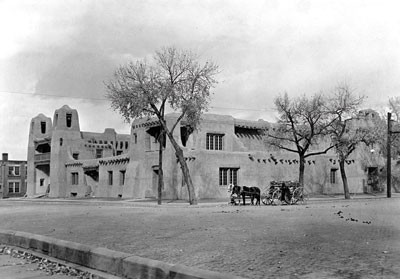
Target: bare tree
x=302 y=121
x=346 y=132
x=175 y=78
x=394 y=107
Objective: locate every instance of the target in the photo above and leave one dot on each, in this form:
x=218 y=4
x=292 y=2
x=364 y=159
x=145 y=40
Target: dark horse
x=252 y=192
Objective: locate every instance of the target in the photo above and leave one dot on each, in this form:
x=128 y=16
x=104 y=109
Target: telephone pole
x=389 y=157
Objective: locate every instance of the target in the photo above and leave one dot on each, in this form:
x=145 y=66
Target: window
x=214 y=142
x=74 y=178
x=110 y=178
x=69 y=120
x=61 y=141
x=228 y=176
x=14 y=170
x=75 y=156
x=13 y=187
x=126 y=145
x=99 y=153
x=135 y=138
x=121 y=144
x=333 y=178
x=119 y=152
x=41 y=182
x=122 y=177
x=43 y=127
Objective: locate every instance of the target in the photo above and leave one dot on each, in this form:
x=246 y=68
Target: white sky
x=264 y=48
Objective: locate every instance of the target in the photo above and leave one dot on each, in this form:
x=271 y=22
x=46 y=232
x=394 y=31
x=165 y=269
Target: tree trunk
x=344 y=180
x=184 y=167
x=301 y=170
x=160 y=168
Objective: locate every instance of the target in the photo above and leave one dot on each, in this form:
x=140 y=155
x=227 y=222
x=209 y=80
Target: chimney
x=5 y=157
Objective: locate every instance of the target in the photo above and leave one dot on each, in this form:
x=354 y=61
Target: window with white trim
x=214 y=141
x=228 y=176
x=13 y=187
x=14 y=170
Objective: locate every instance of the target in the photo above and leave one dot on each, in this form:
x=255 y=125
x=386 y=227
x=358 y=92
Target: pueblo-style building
x=64 y=161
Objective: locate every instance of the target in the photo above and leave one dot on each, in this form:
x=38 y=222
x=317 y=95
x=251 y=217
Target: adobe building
x=64 y=161
x=12 y=177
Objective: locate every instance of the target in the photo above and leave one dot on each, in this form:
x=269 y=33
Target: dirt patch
x=301 y=241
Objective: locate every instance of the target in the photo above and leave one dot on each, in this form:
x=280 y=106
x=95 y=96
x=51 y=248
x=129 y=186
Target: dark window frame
x=110 y=178
x=122 y=176
x=228 y=176
x=74 y=178
x=68 y=120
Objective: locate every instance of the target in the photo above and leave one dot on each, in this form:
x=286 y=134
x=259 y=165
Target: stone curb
x=112 y=262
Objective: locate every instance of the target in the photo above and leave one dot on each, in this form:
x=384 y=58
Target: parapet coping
x=115 y=263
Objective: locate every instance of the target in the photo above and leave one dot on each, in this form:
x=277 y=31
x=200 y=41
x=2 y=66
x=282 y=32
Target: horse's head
x=230 y=187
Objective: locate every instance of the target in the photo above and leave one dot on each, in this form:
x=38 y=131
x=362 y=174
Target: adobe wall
x=36 y=133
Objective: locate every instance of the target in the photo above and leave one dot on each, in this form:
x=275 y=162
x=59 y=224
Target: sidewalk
x=18 y=263
x=14 y=268
x=149 y=202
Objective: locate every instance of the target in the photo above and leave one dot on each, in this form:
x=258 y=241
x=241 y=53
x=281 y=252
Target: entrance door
x=373 y=179
x=154 y=184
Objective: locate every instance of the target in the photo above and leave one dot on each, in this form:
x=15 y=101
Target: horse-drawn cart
x=288 y=192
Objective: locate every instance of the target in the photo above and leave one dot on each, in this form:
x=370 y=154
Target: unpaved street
x=342 y=239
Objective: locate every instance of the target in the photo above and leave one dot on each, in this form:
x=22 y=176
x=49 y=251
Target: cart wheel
x=305 y=197
x=266 y=200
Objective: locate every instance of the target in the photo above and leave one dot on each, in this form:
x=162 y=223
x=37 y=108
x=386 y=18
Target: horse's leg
x=244 y=198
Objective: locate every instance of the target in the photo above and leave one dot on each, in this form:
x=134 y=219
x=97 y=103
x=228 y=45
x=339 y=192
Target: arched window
x=61 y=141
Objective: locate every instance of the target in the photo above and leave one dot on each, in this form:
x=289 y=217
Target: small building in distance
x=13 y=177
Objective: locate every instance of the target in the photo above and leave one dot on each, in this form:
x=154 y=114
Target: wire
x=51 y=95
x=104 y=99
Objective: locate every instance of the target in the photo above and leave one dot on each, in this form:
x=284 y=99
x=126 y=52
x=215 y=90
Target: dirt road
x=341 y=239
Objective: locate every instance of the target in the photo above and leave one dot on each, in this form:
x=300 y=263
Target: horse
x=252 y=192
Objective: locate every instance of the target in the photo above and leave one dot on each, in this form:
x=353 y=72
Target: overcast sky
x=264 y=48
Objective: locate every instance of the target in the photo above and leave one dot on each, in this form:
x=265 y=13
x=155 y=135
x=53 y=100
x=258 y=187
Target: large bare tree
x=302 y=122
x=174 y=78
x=345 y=131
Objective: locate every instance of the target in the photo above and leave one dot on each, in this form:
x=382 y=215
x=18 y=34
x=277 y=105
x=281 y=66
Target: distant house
x=13 y=174
x=65 y=161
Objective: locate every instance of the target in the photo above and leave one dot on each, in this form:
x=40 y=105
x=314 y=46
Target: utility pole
x=389 y=157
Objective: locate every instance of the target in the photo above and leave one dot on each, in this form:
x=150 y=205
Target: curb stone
x=113 y=262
